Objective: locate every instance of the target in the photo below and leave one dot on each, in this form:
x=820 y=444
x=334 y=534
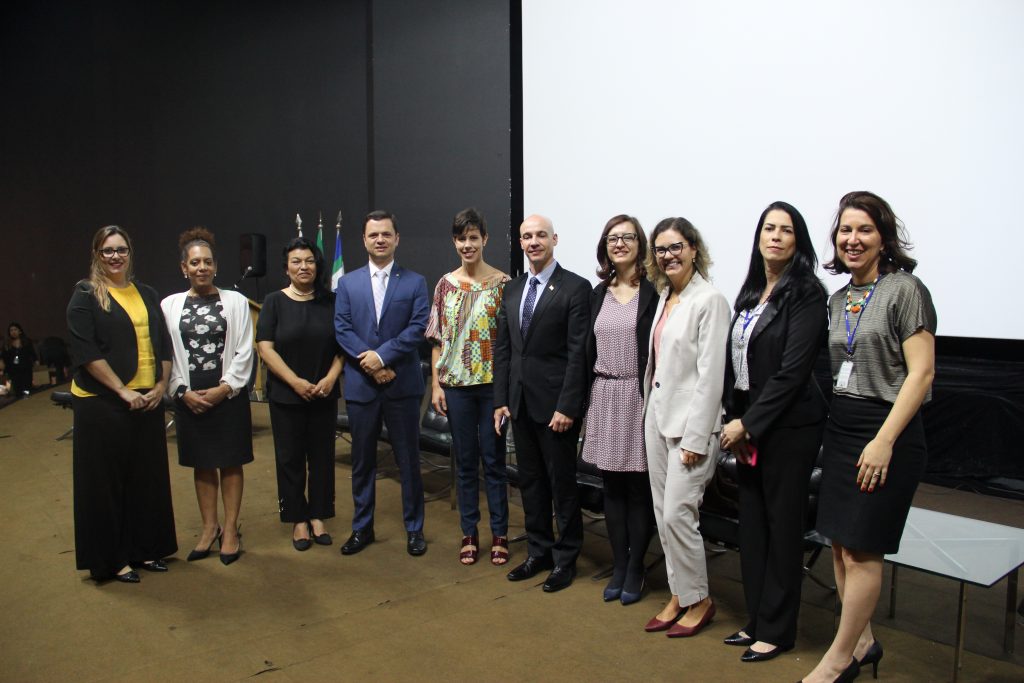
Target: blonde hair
x=97 y=273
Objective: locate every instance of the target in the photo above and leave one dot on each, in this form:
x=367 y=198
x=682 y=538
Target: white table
x=965 y=550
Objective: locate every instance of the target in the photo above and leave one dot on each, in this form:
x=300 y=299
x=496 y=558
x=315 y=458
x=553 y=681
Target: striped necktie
x=380 y=286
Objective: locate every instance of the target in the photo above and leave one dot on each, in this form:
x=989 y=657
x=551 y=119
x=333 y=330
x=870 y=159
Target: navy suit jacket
x=396 y=339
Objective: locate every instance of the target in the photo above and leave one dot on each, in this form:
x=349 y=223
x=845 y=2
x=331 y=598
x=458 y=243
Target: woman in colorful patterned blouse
x=463 y=324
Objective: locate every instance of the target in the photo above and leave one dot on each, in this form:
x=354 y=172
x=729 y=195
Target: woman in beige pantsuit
x=683 y=415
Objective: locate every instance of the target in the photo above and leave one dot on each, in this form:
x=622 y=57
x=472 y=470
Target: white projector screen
x=712 y=110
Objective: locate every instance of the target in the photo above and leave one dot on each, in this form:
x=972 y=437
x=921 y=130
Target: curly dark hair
x=193 y=236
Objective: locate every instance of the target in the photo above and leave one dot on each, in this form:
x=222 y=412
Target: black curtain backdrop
x=236 y=115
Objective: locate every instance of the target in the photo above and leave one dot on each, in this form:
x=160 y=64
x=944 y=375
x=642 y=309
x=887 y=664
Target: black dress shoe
x=128 y=577
x=739 y=639
x=152 y=566
x=529 y=568
x=416 y=544
x=359 y=539
x=323 y=539
x=302 y=544
x=559 y=578
x=754 y=656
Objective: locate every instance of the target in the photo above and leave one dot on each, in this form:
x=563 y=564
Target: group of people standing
x=654 y=361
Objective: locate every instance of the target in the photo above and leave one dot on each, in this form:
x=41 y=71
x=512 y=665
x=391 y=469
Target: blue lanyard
x=749 y=316
x=863 y=307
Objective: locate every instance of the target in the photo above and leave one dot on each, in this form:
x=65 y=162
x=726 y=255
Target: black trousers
x=547 y=477
x=773 y=512
x=122 y=486
x=304 y=441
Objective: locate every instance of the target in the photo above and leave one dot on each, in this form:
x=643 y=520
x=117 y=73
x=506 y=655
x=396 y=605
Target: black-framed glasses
x=626 y=239
x=674 y=249
x=108 y=252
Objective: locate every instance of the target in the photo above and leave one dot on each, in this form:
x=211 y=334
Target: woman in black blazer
x=122 y=361
x=621 y=312
x=775 y=415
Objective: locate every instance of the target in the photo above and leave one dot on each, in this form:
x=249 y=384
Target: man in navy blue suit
x=380 y=316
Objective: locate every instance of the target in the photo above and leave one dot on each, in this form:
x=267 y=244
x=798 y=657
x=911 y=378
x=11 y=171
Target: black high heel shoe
x=228 y=558
x=197 y=554
x=873 y=656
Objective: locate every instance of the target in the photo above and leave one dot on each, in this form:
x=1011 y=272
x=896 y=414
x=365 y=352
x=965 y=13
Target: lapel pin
x=551 y=288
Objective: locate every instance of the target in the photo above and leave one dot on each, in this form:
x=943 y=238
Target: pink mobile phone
x=752 y=451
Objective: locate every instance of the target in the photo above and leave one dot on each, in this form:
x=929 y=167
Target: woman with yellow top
x=463 y=325
x=122 y=361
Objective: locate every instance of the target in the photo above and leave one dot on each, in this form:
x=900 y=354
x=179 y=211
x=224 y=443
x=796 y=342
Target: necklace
x=856 y=306
x=296 y=292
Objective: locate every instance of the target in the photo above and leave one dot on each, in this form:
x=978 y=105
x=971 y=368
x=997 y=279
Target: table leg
x=961 y=621
x=892 y=593
x=1011 y=612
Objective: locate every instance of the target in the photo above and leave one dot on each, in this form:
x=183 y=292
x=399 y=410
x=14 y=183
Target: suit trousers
x=402 y=417
x=773 y=512
x=304 y=441
x=678 y=491
x=547 y=476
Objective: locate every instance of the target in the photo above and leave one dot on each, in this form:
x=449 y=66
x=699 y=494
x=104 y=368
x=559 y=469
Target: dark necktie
x=531 y=299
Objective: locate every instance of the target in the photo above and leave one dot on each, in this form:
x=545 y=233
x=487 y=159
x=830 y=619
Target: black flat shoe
x=151 y=566
x=359 y=539
x=754 y=656
x=739 y=639
x=873 y=656
x=128 y=577
x=203 y=554
x=302 y=544
x=323 y=539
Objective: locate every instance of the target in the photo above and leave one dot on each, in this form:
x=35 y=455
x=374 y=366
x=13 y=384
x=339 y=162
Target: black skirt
x=221 y=437
x=122 y=486
x=868 y=522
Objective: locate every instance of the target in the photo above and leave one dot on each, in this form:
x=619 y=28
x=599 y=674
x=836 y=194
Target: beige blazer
x=684 y=385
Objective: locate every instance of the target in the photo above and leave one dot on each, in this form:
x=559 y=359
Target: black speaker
x=252 y=254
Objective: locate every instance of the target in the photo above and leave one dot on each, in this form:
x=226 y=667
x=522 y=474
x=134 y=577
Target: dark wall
x=158 y=116
x=441 y=124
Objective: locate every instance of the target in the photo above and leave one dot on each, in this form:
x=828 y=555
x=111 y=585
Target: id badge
x=845 y=370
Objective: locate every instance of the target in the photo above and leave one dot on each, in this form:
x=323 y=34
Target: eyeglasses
x=626 y=239
x=674 y=249
x=108 y=252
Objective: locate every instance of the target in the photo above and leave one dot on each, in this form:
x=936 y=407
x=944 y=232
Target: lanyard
x=749 y=315
x=863 y=307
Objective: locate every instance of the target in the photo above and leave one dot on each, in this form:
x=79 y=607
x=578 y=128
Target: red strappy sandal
x=499 y=550
x=468 y=557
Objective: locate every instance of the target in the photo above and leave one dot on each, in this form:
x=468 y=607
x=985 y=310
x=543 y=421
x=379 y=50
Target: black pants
x=547 y=476
x=773 y=511
x=629 y=516
x=304 y=438
x=122 y=486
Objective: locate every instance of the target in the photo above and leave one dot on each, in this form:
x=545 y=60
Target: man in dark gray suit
x=540 y=382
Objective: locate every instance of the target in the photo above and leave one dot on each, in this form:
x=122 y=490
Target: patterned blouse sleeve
x=433 y=331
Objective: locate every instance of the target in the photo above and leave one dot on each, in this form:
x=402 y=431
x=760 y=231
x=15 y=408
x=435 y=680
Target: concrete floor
x=382 y=615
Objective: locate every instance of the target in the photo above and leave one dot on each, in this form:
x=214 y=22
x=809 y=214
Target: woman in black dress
x=774 y=415
x=122 y=360
x=18 y=358
x=212 y=342
x=882 y=351
x=295 y=337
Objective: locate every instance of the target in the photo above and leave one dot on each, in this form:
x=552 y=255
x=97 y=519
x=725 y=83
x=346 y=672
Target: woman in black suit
x=621 y=312
x=775 y=415
x=122 y=362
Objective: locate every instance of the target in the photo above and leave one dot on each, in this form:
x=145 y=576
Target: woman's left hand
x=322 y=388
x=154 y=396
x=215 y=395
x=733 y=433
x=873 y=464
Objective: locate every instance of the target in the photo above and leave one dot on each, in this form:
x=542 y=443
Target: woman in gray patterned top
x=882 y=351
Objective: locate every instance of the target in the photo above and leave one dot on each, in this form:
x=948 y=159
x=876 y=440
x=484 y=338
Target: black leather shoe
x=529 y=568
x=416 y=544
x=739 y=639
x=128 y=577
x=754 y=656
x=302 y=544
x=323 y=539
x=153 y=566
x=559 y=578
x=359 y=539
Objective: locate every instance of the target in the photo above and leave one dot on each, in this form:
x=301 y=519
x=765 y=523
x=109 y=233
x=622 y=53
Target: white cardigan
x=685 y=384
x=237 y=359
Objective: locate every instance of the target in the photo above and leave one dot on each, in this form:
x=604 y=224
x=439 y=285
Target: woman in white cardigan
x=211 y=336
x=683 y=415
